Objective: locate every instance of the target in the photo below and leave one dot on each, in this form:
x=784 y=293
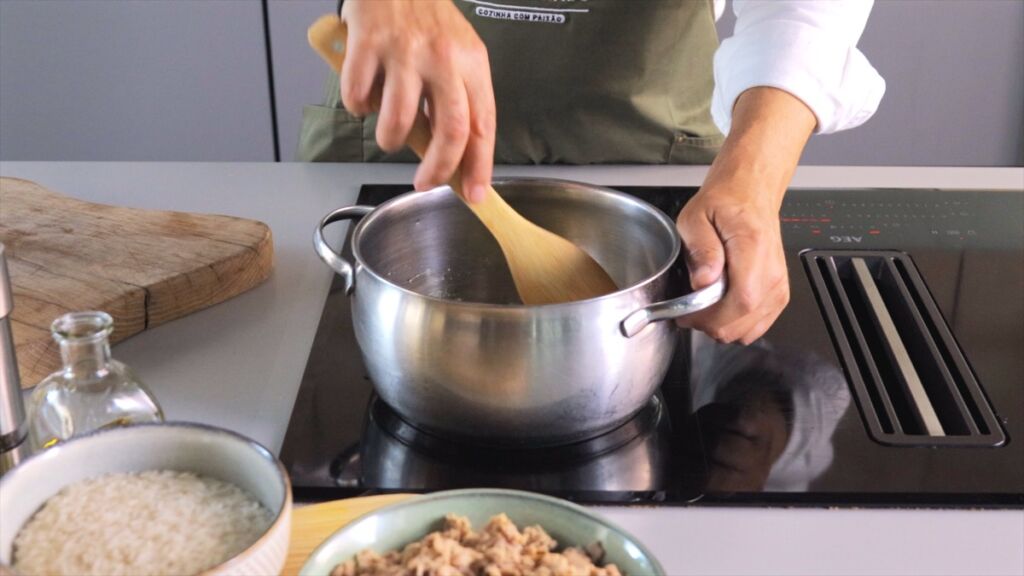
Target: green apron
x=575 y=82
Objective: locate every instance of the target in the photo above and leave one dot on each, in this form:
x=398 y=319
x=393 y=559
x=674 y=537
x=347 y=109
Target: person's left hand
x=731 y=225
x=733 y=221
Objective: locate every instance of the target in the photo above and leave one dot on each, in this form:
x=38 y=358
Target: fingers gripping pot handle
x=675 y=308
x=334 y=260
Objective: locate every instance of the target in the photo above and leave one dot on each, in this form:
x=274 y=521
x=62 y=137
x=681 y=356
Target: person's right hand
x=400 y=51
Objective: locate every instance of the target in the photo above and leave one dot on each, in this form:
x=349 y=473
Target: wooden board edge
x=257 y=262
x=313 y=524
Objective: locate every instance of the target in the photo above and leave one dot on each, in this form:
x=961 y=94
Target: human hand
x=745 y=438
x=731 y=225
x=403 y=50
x=727 y=222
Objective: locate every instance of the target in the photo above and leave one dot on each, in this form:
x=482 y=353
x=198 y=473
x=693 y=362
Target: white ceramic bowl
x=197 y=448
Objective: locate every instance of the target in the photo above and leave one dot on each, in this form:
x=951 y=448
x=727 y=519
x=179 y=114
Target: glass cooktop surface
x=776 y=422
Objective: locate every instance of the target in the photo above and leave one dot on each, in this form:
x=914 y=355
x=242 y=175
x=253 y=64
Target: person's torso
x=578 y=82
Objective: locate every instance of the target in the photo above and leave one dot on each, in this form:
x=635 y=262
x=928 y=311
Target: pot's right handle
x=341 y=266
x=675 y=308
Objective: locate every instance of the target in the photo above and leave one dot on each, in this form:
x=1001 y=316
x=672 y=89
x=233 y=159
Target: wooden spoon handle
x=328 y=36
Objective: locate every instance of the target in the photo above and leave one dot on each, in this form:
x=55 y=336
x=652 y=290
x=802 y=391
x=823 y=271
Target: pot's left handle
x=675 y=308
x=341 y=266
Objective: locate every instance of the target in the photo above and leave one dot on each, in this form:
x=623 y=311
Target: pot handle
x=340 y=266
x=675 y=308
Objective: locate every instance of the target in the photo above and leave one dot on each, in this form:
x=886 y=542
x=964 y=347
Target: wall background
x=954 y=72
x=133 y=80
x=188 y=80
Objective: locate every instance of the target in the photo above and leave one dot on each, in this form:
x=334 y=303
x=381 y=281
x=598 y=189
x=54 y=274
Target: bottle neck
x=85 y=358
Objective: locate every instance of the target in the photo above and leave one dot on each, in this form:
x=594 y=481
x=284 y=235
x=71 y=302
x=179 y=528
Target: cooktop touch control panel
x=872 y=218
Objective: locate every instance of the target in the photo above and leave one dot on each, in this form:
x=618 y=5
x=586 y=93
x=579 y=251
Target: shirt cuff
x=833 y=78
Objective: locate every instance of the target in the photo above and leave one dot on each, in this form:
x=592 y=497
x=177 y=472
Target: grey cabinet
x=134 y=80
x=299 y=74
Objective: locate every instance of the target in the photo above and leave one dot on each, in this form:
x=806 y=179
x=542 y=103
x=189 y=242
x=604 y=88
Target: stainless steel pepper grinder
x=13 y=425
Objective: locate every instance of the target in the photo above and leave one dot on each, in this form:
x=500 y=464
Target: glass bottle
x=92 y=390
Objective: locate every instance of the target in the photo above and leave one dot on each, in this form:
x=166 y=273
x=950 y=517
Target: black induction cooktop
x=895 y=377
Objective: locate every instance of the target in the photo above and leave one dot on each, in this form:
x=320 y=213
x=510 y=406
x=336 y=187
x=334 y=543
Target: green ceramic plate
x=395 y=526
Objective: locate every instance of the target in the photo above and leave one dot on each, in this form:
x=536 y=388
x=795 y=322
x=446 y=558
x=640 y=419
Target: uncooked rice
x=156 y=522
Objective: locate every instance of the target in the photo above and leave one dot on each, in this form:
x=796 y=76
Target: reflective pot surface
x=450 y=347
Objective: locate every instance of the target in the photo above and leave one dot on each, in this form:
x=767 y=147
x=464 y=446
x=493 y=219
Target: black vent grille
x=912 y=382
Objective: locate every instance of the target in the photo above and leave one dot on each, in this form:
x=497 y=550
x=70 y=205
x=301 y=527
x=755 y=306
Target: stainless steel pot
x=449 y=347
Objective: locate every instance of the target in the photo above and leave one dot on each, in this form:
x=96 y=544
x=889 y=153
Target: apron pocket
x=690 y=149
x=330 y=135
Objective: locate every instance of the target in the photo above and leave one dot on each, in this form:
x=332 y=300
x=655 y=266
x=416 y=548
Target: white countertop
x=238 y=364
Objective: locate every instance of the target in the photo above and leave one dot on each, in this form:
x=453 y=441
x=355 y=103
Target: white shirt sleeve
x=805 y=47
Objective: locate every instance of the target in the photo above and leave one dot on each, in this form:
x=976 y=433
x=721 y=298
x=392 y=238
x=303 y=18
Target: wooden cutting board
x=143 y=267
x=311 y=525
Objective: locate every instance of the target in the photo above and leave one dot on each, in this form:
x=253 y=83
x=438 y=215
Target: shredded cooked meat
x=499 y=550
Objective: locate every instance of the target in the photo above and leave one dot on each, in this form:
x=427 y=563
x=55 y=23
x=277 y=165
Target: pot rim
x=588 y=188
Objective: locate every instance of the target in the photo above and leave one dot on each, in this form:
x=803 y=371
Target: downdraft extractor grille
x=912 y=382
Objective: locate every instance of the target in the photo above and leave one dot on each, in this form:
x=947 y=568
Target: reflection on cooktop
x=628 y=463
x=773 y=423
x=766 y=415
x=729 y=420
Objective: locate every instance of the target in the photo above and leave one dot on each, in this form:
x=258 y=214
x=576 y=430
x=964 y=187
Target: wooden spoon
x=546 y=268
